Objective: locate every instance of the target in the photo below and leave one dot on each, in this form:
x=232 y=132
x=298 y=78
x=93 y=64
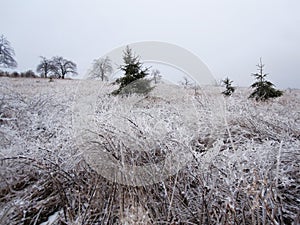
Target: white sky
x=228 y=35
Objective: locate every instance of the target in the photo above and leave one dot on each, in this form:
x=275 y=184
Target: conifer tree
x=229 y=88
x=263 y=89
x=134 y=80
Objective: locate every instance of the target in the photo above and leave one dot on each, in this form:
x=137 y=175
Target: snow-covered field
x=243 y=165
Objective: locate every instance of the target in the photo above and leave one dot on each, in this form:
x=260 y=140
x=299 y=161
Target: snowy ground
x=244 y=168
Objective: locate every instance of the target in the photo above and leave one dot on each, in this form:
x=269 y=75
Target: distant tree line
x=134 y=79
x=56 y=67
x=27 y=74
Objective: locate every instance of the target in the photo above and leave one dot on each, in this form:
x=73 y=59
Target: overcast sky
x=228 y=35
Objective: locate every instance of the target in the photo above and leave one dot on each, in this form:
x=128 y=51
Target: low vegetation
x=244 y=155
x=245 y=166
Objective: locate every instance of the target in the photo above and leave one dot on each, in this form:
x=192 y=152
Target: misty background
x=229 y=36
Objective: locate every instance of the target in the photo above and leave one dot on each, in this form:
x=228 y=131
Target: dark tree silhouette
x=102 y=68
x=133 y=80
x=45 y=67
x=62 y=67
x=229 y=89
x=7 y=54
x=263 y=89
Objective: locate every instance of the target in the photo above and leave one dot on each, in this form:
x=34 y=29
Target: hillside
x=70 y=153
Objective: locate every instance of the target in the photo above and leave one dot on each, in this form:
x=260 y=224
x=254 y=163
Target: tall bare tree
x=62 y=67
x=102 y=68
x=45 y=67
x=7 y=54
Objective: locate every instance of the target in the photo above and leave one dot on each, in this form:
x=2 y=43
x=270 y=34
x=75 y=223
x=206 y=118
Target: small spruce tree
x=134 y=80
x=263 y=89
x=229 y=88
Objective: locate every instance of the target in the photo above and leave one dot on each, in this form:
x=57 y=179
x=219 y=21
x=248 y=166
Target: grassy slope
x=245 y=167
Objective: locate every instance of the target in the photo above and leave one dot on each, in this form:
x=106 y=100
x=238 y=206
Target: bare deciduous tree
x=7 y=54
x=156 y=76
x=62 y=67
x=45 y=67
x=102 y=68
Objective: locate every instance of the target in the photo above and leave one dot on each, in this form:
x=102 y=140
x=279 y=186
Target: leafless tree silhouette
x=45 y=67
x=62 y=67
x=102 y=68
